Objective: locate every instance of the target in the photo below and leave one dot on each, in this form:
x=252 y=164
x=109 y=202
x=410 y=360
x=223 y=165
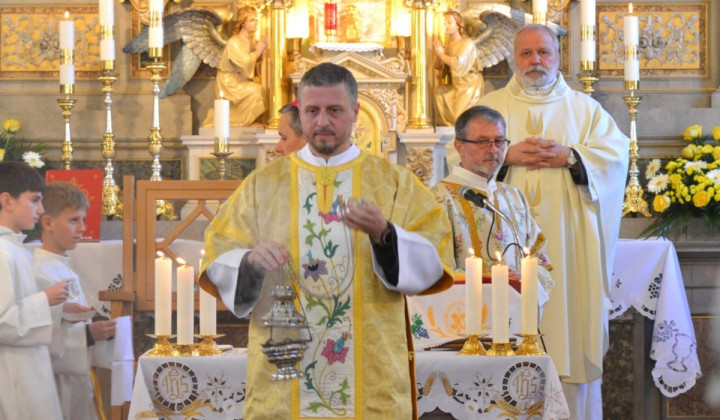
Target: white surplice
x=27 y=388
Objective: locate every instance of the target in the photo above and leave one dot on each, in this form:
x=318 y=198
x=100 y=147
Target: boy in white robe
x=63 y=225
x=27 y=390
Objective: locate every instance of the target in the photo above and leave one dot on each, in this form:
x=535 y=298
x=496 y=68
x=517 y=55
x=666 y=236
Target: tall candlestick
x=529 y=294
x=587 y=38
x=67 y=43
x=500 y=303
x=107 y=21
x=631 y=38
x=185 y=303
x=222 y=118
x=473 y=294
x=163 y=295
x=540 y=11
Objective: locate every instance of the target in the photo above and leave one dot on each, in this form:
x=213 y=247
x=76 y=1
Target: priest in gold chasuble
x=354 y=267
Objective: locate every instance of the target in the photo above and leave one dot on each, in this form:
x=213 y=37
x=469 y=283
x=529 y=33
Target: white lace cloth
x=647 y=277
x=357 y=47
x=489 y=387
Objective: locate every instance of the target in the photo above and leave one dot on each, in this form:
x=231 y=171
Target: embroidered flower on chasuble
x=335 y=351
x=314 y=268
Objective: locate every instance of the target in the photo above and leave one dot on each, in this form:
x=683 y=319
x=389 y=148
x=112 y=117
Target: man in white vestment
x=354 y=262
x=480 y=142
x=570 y=159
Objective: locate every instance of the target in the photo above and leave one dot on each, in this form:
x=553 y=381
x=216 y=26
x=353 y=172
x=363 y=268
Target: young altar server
x=62 y=227
x=27 y=390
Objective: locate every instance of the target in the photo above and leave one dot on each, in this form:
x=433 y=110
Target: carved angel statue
x=479 y=38
x=203 y=42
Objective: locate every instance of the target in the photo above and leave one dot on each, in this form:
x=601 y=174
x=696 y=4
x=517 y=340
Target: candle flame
x=202 y=252
x=471 y=252
x=180 y=261
x=221 y=94
x=526 y=250
x=630 y=8
x=160 y=254
x=67 y=15
x=499 y=256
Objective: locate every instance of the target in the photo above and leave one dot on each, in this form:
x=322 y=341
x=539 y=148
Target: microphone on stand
x=481 y=201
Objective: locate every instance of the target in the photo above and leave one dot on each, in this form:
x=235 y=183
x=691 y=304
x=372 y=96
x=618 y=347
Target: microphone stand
x=480 y=201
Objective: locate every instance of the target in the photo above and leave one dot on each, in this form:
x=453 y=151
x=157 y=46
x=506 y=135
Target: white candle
x=155 y=30
x=67 y=43
x=473 y=294
x=529 y=294
x=222 y=117
x=107 y=21
x=587 y=21
x=631 y=38
x=163 y=295
x=185 y=302
x=500 y=303
x=540 y=6
x=208 y=313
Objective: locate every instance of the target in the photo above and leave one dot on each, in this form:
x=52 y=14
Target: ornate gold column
x=419 y=81
x=277 y=48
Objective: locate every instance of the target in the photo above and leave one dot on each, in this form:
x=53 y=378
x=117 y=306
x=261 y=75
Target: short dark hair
x=327 y=75
x=19 y=177
x=61 y=195
x=294 y=118
x=481 y=112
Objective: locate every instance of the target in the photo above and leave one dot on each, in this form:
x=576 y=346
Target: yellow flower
x=706 y=149
x=716 y=133
x=689 y=151
x=716 y=153
x=11 y=126
x=701 y=199
x=661 y=203
x=692 y=132
x=2 y=154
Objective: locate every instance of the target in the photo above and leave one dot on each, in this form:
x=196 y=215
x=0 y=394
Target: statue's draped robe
x=581 y=222
x=235 y=79
x=27 y=388
x=357 y=364
x=69 y=351
x=466 y=82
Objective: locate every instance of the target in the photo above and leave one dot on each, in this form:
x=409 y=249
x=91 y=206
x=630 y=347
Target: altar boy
x=27 y=390
x=63 y=225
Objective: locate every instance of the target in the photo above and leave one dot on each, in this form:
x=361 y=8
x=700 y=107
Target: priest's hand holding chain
x=268 y=256
x=367 y=218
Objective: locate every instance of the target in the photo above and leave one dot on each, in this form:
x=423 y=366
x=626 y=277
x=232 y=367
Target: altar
x=466 y=387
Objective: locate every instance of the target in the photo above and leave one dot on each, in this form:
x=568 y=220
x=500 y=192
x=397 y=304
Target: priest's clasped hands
x=358 y=214
x=537 y=153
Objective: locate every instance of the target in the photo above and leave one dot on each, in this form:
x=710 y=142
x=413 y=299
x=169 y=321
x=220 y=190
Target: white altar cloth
x=647 y=277
x=468 y=387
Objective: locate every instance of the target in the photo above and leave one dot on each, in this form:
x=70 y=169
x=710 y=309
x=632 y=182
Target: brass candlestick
x=500 y=349
x=529 y=346
x=634 y=201
x=473 y=346
x=207 y=346
x=111 y=205
x=162 y=347
x=185 y=350
x=67 y=104
x=221 y=152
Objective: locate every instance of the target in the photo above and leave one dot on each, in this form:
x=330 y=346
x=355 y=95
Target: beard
x=539 y=78
x=327 y=146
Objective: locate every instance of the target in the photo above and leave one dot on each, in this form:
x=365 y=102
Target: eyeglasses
x=500 y=143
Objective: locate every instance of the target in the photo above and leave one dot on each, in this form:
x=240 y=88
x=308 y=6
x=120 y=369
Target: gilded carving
x=420 y=162
x=673 y=39
x=29 y=41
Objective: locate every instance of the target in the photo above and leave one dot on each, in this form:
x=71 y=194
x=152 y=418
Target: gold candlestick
x=634 y=202
x=111 y=205
x=67 y=104
x=221 y=152
x=162 y=347
x=529 y=346
x=185 y=350
x=500 y=349
x=473 y=346
x=207 y=346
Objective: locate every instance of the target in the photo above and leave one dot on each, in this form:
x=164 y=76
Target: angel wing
x=201 y=41
x=492 y=27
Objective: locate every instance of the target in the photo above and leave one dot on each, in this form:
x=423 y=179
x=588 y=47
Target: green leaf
x=314 y=407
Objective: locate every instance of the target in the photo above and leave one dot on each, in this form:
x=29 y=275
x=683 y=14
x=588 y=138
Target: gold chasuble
x=358 y=364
